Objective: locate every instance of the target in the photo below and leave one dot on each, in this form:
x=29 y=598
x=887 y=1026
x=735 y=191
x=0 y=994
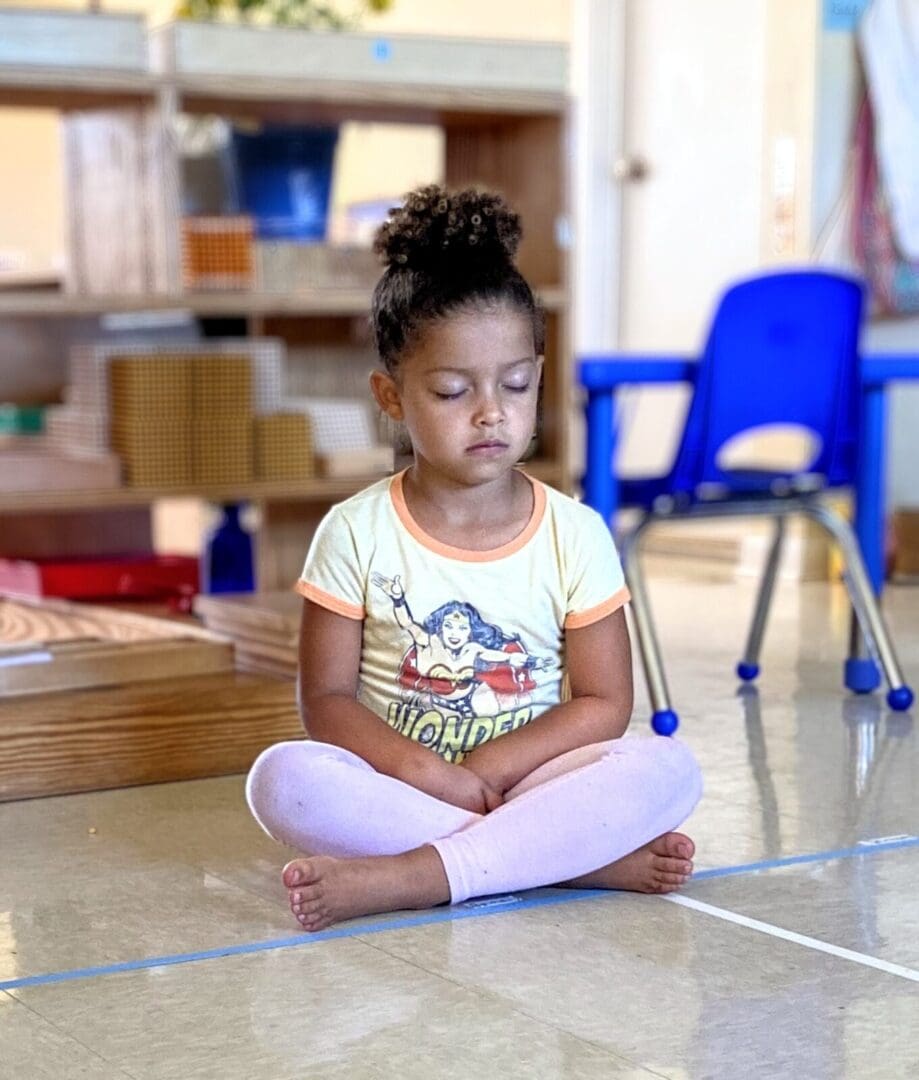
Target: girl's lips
x=492 y=446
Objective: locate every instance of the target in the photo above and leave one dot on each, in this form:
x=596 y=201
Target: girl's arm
x=599 y=660
x=327 y=680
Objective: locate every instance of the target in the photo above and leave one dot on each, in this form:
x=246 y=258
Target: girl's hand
x=455 y=785
x=391 y=586
x=452 y=784
x=473 y=793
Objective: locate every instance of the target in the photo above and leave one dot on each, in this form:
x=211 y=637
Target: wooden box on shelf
x=284 y=266
x=217 y=253
x=150 y=398
x=71 y=39
x=283 y=447
x=222 y=450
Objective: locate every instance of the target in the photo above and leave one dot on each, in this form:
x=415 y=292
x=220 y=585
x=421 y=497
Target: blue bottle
x=227 y=566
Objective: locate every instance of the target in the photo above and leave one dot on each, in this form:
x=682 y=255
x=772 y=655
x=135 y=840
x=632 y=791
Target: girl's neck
x=479 y=518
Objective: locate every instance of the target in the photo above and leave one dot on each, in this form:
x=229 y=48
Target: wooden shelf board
x=308 y=490
x=383 y=102
x=36 y=303
x=319 y=490
x=72 y=88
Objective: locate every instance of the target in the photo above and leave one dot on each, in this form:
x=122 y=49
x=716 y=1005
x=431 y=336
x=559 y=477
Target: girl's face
x=455 y=630
x=467 y=393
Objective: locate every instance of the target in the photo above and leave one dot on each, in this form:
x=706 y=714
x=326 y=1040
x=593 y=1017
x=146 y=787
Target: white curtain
x=889 y=39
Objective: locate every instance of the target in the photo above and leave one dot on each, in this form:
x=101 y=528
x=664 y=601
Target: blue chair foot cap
x=900 y=698
x=747 y=672
x=862 y=675
x=665 y=722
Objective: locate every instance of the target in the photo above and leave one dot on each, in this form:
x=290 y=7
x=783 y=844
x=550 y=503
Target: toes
x=674 y=880
x=673 y=845
x=308 y=909
x=665 y=865
x=314 y=921
x=304 y=898
x=299 y=872
x=684 y=847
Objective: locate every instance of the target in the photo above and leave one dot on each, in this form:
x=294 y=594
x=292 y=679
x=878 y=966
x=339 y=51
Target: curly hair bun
x=436 y=230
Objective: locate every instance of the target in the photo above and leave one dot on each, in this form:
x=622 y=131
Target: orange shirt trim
x=327 y=600
x=464 y=554
x=595 y=614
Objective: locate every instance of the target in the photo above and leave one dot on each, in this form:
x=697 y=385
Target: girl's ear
x=386 y=394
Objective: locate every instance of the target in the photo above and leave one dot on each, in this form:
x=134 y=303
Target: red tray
x=173 y=578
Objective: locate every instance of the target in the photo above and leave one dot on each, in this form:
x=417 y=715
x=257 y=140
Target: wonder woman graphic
x=458 y=661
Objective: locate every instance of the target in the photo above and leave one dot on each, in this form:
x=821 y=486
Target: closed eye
x=449 y=397
x=518 y=389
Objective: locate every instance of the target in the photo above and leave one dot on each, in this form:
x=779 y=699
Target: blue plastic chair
x=783 y=349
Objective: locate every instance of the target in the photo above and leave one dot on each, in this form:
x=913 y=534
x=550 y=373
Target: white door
x=669 y=129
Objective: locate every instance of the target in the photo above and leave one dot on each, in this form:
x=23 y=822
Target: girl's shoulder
x=570 y=515
x=364 y=506
x=578 y=535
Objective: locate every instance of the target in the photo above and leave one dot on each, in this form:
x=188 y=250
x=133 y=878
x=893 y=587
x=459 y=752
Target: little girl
x=443 y=606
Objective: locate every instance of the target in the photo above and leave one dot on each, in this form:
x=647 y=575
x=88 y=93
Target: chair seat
x=644 y=491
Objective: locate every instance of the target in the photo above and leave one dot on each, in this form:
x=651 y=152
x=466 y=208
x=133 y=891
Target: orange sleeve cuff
x=595 y=614
x=327 y=600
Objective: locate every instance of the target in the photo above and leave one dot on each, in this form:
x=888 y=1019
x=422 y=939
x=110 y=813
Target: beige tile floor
x=604 y=986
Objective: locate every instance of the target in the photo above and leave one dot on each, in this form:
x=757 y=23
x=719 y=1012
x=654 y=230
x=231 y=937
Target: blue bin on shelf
x=283 y=178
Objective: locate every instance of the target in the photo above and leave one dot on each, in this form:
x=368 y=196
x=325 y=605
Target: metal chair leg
x=664 y=720
x=864 y=601
x=861 y=674
x=748 y=668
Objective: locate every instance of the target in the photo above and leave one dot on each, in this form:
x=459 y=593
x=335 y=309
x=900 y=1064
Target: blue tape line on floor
x=470 y=910
x=473 y=909
x=868 y=847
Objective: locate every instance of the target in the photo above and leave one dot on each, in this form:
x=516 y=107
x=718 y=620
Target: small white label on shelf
x=146 y=320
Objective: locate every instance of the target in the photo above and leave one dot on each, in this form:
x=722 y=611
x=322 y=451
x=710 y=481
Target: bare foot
x=323 y=890
x=659 y=867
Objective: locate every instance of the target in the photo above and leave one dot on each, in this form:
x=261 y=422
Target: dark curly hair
x=444 y=252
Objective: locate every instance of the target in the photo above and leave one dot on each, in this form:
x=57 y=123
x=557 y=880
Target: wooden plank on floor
x=71 y=666
x=275 y=615
x=146 y=733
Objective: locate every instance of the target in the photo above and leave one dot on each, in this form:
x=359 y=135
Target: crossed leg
x=600 y=816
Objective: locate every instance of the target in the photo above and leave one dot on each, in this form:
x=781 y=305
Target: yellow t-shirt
x=461 y=646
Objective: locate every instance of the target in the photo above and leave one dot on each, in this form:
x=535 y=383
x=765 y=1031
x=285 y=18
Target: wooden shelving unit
x=313 y=491
x=41 y=303
x=503 y=110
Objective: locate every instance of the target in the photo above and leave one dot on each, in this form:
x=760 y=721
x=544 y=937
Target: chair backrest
x=783 y=349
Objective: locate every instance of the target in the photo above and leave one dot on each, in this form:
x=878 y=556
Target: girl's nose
x=488 y=411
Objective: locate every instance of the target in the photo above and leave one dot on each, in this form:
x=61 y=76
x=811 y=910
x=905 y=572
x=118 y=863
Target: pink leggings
x=576 y=813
